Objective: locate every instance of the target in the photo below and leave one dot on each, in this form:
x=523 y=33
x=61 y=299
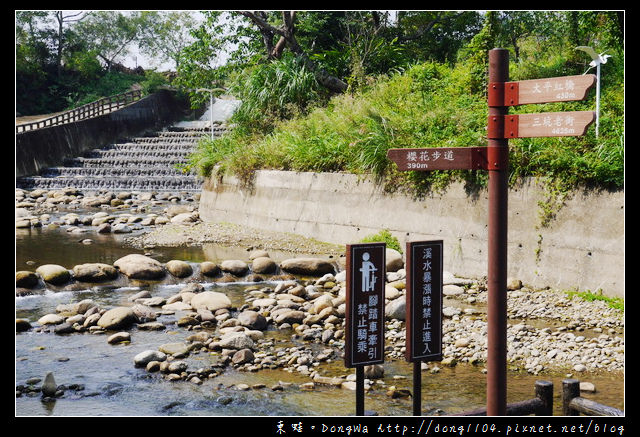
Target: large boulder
x=289 y=316
x=22 y=325
x=54 y=274
x=178 y=349
x=307 y=266
x=185 y=218
x=26 y=279
x=396 y=309
x=209 y=268
x=210 y=300
x=49 y=386
x=137 y=266
x=393 y=260
x=179 y=268
x=144 y=313
x=94 y=272
x=252 y=320
x=263 y=264
x=51 y=319
x=234 y=266
x=144 y=357
x=243 y=356
x=236 y=340
x=118 y=318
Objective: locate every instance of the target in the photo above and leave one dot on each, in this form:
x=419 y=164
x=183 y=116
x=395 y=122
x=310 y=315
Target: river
x=102 y=380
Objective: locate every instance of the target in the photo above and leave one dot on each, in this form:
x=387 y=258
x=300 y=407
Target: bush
x=152 y=81
x=275 y=91
x=384 y=236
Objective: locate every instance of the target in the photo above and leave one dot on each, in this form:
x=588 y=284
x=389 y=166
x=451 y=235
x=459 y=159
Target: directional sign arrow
x=440 y=158
x=552 y=89
x=545 y=124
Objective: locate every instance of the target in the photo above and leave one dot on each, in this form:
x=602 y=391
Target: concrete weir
x=582 y=247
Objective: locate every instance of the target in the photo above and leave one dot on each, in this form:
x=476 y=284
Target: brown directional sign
x=364 y=317
x=545 y=124
x=552 y=89
x=424 y=301
x=440 y=158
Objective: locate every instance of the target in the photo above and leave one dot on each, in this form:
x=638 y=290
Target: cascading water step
x=147 y=163
x=111 y=171
x=155 y=183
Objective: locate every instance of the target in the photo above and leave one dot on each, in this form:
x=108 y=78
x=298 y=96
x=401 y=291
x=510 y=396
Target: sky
x=135 y=58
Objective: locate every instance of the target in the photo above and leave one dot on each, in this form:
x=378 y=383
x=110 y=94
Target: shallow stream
x=112 y=386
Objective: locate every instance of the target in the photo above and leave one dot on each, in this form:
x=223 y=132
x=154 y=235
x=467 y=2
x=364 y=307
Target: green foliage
x=613 y=302
x=384 y=236
x=418 y=81
x=432 y=105
x=152 y=81
x=270 y=92
x=85 y=64
x=107 y=84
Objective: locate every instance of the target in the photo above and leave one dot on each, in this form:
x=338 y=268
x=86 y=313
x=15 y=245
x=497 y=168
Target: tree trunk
x=288 y=39
x=60 y=43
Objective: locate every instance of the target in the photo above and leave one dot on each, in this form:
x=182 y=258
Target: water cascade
x=144 y=163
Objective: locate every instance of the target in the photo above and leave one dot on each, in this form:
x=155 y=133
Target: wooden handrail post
x=544 y=392
x=570 y=390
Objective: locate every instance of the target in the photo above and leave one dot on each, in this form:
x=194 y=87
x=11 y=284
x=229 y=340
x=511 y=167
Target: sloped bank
x=582 y=247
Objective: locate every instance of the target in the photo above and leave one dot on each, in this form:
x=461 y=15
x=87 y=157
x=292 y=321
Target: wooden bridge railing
x=542 y=404
x=93 y=109
x=574 y=405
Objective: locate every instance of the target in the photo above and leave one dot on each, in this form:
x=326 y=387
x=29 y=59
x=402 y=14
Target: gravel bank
x=228 y=234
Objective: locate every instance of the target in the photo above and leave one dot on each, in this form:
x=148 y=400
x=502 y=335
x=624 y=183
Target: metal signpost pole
x=210 y=91
x=417 y=388
x=211 y=112
x=498 y=154
x=360 y=391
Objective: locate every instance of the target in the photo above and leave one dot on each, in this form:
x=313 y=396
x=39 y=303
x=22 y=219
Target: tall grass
x=277 y=90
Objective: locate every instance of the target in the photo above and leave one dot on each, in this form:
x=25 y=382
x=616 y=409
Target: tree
x=61 y=19
x=111 y=34
x=166 y=34
x=287 y=38
x=33 y=50
x=436 y=35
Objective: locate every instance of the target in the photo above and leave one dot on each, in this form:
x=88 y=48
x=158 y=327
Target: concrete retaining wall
x=48 y=147
x=583 y=247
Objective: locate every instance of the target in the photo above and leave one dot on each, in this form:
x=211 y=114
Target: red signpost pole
x=498 y=167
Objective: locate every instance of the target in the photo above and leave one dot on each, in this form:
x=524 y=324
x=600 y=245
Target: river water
x=112 y=386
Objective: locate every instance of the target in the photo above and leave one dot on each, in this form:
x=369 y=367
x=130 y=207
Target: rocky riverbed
x=302 y=297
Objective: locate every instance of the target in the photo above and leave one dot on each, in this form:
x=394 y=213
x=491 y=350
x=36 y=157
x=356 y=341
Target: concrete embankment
x=582 y=247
